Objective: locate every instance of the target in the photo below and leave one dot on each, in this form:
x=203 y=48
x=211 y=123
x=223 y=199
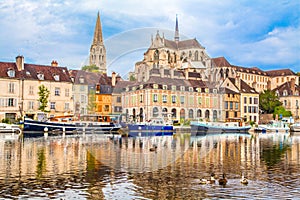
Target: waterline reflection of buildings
x=95 y=162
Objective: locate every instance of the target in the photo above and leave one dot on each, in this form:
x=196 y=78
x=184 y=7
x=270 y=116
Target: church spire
x=98 y=32
x=176 y=38
x=97 y=50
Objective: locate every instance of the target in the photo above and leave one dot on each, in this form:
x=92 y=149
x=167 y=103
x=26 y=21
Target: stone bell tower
x=97 y=50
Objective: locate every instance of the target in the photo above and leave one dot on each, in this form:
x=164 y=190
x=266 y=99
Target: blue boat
x=35 y=128
x=204 y=128
x=155 y=127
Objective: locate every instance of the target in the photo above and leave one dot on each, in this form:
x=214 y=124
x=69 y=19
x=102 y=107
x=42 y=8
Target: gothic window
x=196 y=56
x=156 y=55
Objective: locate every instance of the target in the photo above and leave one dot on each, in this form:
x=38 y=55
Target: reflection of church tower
x=97 y=51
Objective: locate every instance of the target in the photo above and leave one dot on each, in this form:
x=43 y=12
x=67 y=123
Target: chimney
x=238 y=82
x=293 y=86
x=54 y=63
x=113 y=79
x=254 y=85
x=20 y=62
x=186 y=72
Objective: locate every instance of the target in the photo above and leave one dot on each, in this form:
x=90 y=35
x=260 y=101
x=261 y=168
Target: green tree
x=281 y=110
x=90 y=68
x=132 y=78
x=268 y=100
x=92 y=102
x=43 y=97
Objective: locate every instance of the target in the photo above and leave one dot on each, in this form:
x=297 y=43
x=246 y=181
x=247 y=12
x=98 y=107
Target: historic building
x=97 y=50
x=103 y=98
x=20 y=83
x=289 y=95
x=84 y=91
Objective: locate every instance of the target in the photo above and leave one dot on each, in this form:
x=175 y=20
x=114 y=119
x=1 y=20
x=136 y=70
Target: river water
x=109 y=167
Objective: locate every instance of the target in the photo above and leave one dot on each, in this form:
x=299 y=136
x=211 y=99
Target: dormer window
x=284 y=93
x=27 y=73
x=155 y=86
x=56 y=77
x=277 y=93
x=141 y=86
x=191 y=89
x=165 y=87
x=40 y=76
x=11 y=73
x=81 y=80
x=182 y=88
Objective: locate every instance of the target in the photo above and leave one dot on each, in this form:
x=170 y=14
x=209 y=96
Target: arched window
x=182 y=114
x=199 y=113
x=165 y=110
x=215 y=115
x=191 y=114
x=155 y=112
x=285 y=93
x=196 y=55
x=174 y=113
x=190 y=54
x=207 y=114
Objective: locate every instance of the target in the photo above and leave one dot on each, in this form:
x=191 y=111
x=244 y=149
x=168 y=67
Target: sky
x=263 y=34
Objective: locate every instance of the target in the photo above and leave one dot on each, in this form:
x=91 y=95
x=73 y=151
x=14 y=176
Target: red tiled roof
x=280 y=72
x=31 y=71
x=220 y=62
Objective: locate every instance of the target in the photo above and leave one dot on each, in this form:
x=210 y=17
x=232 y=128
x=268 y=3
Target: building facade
x=20 y=97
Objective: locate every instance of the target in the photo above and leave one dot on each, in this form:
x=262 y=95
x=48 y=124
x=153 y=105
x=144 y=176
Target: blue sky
x=263 y=33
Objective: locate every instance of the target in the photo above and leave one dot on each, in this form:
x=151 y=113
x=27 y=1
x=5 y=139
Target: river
x=109 y=167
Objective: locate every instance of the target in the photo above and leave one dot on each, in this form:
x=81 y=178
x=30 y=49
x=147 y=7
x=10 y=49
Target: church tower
x=97 y=50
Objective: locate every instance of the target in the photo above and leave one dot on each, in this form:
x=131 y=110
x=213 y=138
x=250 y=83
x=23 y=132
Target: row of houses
x=179 y=92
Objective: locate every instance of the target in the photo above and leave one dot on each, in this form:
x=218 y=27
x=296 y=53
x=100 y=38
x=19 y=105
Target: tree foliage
x=268 y=101
x=92 y=102
x=132 y=78
x=281 y=110
x=90 y=68
x=43 y=97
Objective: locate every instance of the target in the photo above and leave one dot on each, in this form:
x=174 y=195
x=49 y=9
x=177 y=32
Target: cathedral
x=97 y=50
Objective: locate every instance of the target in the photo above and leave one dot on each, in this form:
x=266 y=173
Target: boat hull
x=33 y=128
x=295 y=128
x=203 y=129
x=137 y=130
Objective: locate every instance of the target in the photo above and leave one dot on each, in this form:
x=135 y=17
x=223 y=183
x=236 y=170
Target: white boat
x=274 y=127
x=295 y=127
x=203 y=128
x=9 y=128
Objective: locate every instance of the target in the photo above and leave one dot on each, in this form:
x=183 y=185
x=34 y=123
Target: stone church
x=97 y=50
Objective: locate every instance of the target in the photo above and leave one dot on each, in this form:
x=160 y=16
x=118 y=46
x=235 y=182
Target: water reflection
x=106 y=167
